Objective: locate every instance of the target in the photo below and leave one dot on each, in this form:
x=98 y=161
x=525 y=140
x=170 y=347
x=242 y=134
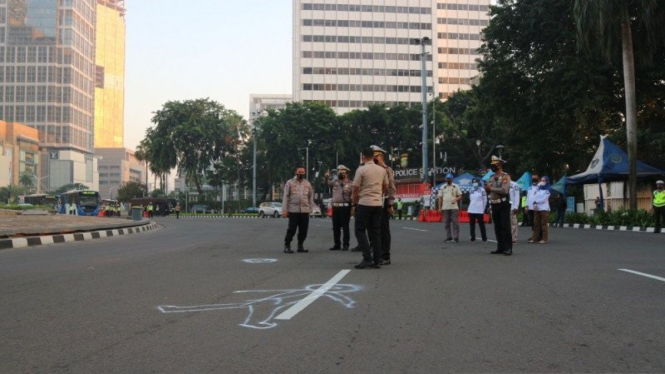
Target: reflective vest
x=399 y=205
x=659 y=198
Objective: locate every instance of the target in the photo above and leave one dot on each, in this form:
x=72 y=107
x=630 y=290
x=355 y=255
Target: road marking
x=302 y=304
x=408 y=228
x=643 y=274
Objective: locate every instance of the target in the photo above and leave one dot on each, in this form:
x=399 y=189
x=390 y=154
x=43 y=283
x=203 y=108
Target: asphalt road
x=184 y=300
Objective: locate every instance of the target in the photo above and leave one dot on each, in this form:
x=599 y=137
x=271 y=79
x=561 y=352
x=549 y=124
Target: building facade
x=110 y=74
x=47 y=75
x=19 y=154
x=117 y=166
x=349 y=54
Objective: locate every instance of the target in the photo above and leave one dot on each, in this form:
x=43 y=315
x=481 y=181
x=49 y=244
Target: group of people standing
x=369 y=197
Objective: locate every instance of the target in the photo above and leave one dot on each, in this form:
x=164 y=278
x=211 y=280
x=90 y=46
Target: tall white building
x=352 y=53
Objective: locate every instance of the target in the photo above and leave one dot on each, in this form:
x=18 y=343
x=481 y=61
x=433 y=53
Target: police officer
x=388 y=201
x=150 y=208
x=342 y=188
x=659 y=204
x=297 y=203
x=498 y=188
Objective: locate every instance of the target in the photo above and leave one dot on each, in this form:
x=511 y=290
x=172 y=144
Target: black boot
x=287 y=248
x=301 y=248
x=334 y=248
x=345 y=248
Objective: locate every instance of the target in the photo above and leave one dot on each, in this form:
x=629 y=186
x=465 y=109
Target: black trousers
x=368 y=221
x=386 y=239
x=177 y=214
x=299 y=222
x=502 y=227
x=659 y=213
x=399 y=213
x=473 y=218
x=341 y=216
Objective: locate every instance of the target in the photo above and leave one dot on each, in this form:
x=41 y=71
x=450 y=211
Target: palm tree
x=607 y=25
x=27 y=180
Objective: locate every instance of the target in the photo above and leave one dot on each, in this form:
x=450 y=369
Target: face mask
x=494 y=168
x=341 y=176
x=541 y=184
x=300 y=176
x=376 y=161
x=534 y=180
x=475 y=184
x=449 y=181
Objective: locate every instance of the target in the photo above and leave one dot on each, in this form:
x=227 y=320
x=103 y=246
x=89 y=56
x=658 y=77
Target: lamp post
x=499 y=148
x=424 y=42
x=255 y=118
x=309 y=142
x=433 y=136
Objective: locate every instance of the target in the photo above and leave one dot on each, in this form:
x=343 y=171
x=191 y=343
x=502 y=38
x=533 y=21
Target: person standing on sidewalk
x=449 y=197
x=514 y=208
x=177 y=211
x=342 y=188
x=369 y=185
x=388 y=201
x=498 y=188
x=541 y=212
x=297 y=203
x=477 y=208
x=659 y=205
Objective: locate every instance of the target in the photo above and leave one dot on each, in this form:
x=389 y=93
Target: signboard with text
x=415 y=174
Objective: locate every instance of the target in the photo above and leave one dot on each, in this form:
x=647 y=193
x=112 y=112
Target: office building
x=352 y=53
x=110 y=74
x=118 y=166
x=47 y=75
x=19 y=154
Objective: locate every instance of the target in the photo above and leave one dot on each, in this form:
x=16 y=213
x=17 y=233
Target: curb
x=66 y=238
x=607 y=227
x=221 y=216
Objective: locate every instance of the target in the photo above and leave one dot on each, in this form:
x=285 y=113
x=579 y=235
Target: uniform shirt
x=659 y=198
x=449 y=193
x=341 y=191
x=542 y=199
x=370 y=179
x=477 y=201
x=391 y=185
x=514 y=196
x=298 y=196
x=529 y=196
x=499 y=186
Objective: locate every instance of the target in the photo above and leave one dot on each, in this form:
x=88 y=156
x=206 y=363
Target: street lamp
x=499 y=148
x=309 y=142
x=434 y=139
x=255 y=117
x=424 y=42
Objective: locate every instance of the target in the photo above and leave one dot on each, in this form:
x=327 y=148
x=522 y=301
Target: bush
x=621 y=217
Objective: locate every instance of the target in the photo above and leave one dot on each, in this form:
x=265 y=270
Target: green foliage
x=131 y=190
x=27 y=180
x=10 y=193
x=621 y=217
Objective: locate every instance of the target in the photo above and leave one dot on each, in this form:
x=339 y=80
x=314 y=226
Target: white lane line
x=408 y=228
x=643 y=274
x=302 y=304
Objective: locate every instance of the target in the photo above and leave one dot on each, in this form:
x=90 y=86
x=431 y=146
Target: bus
x=162 y=206
x=41 y=199
x=87 y=202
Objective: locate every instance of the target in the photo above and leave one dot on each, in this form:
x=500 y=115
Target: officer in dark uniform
x=388 y=201
x=498 y=189
x=342 y=188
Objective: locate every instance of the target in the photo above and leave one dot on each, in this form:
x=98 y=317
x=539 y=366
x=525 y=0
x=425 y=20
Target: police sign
x=416 y=173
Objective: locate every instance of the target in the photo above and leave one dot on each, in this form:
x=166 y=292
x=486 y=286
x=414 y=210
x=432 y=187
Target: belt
x=497 y=201
x=340 y=204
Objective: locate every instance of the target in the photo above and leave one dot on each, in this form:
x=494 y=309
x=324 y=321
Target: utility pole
x=423 y=56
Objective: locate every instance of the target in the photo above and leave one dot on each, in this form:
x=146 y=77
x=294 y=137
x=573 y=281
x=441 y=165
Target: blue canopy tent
x=488 y=175
x=560 y=186
x=610 y=163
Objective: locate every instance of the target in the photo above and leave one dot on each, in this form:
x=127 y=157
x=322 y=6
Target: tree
x=192 y=135
x=130 y=191
x=27 y=180
x=613 y=23
x=10 y=193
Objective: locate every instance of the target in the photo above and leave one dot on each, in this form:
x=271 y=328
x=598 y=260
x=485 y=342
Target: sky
x=224 y=50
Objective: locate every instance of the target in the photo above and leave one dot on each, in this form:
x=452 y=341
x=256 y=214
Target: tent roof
x=610 y=163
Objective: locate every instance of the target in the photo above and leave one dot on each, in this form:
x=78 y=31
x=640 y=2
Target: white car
x=270 y=209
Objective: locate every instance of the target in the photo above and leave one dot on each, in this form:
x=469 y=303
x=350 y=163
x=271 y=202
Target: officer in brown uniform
x=498 y=189
x=388 y=201
x=342 y=188
x=297 y=203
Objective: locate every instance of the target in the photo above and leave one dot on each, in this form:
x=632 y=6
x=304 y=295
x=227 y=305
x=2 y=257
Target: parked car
x=316 y=212
x=251 y=209
x=270 y=209
x=203 y=209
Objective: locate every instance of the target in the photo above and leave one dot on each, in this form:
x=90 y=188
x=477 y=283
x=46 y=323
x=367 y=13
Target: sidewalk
x=29 y=230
